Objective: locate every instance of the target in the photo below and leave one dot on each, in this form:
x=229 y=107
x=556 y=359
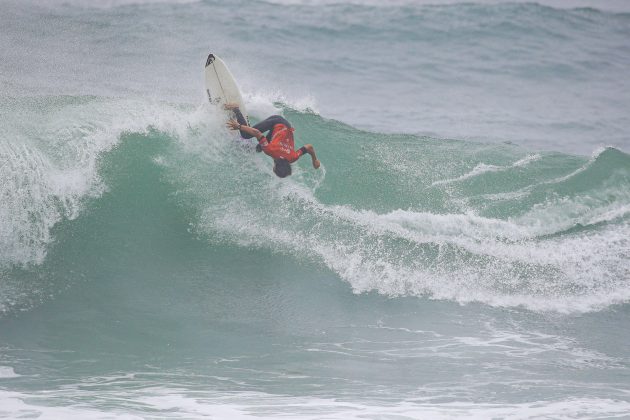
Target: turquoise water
x=463 y=252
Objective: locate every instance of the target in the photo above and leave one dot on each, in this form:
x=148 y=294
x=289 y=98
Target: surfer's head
x=282 y=168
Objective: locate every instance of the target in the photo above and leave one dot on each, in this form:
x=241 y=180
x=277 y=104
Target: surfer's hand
x=233 y=125
x=316 y=163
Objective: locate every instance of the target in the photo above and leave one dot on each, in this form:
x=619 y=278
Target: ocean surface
x=463 y=252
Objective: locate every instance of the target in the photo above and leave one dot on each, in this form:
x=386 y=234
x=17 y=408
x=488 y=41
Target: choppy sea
x=464 y=251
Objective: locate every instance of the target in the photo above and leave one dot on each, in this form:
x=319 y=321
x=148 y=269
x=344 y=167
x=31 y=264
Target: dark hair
x=282 y=168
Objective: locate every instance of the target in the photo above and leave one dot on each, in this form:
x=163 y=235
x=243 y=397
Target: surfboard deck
x=221 y=86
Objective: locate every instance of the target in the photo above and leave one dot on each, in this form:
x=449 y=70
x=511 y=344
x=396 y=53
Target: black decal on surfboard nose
x=210 y=59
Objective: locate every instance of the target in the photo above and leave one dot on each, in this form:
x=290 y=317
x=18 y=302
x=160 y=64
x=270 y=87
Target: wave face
x=152 y=266
x=399 y=214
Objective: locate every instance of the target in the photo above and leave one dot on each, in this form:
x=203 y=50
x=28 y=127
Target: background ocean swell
x=546 y=78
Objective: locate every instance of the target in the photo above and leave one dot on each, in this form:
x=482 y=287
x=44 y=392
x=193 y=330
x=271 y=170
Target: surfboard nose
x=221 y=86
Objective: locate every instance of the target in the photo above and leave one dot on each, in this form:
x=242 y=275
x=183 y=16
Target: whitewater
x=463 y=252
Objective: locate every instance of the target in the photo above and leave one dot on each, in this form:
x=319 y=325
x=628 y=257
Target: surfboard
x=221 y=86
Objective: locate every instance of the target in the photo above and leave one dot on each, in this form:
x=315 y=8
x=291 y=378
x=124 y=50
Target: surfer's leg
x=263 y=126
x=239 y=116
x=267 y=124
x=278 y=119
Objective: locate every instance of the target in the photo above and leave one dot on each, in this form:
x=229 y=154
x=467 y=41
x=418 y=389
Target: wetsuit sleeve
x=300 y=152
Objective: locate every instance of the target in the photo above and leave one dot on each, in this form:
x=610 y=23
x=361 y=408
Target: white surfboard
x=220 y=84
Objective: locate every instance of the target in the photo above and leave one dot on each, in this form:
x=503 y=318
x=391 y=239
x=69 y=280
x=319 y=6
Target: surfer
x=281 y=147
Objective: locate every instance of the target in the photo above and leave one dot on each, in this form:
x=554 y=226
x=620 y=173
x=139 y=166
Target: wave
x=377 y=214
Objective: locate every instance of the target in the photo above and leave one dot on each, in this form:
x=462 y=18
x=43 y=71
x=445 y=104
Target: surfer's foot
x=230 y=106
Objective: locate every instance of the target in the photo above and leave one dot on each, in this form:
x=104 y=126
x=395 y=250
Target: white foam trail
x=596 y=153
x=483 y=168
x=563 y=213
x=523 y=192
